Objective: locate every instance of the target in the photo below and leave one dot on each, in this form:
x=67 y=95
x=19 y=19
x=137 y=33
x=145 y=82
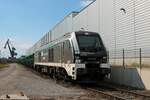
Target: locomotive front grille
x=92 y=66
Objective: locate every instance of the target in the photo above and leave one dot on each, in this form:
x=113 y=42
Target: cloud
x=84 y=3
x=22 y=47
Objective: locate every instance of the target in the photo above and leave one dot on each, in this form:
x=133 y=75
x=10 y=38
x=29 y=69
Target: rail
x=110 y=96
x=117 y=93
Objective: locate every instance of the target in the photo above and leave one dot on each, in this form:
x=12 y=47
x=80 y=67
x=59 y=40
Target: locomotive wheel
x=55 y=74
x=51 y=73
x=66 y=78
x=47 y=70
x=35 y=68
x=39 y=69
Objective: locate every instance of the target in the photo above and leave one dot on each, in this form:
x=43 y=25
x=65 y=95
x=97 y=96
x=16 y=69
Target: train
x=78 y=56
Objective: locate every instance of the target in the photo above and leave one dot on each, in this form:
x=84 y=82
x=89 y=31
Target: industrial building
x=124 y=26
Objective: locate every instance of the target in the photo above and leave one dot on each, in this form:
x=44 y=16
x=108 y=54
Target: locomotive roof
x=82 y=32
x=62 y=38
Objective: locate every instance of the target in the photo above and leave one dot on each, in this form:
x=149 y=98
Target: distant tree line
x=3 y=60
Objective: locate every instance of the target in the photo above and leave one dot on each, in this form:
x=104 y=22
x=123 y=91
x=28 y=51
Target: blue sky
x=26 y=21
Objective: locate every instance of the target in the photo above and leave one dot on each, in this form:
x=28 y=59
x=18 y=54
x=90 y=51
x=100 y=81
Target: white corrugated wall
x=142 y=26
x=125 y=37
x=80 y=21
x=119 y=29
x=98 y=17
x=63 y=27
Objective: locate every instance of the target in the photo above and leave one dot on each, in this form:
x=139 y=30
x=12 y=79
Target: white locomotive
x=77 y=55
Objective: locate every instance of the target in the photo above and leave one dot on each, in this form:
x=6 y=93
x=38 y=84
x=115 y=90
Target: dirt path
x=17 y=78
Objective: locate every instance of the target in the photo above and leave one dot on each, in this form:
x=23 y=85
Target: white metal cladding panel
x=75 y=22
x=80 y=21
x=63 y=27
x=106 y=23
x=69 y=23
x=92 y=17
x=54 y=32
x=38 y=45
x=98 y=17
x=125 y=35
x=142 y=24
x=43 y=39
x=50 y=36
x=47 y=38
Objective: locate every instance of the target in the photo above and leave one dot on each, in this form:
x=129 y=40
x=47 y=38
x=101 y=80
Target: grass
x=3 y=66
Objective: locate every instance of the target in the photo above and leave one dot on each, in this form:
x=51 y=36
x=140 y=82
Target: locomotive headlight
x=78 y=61
x=77 y=58
x=104 y=59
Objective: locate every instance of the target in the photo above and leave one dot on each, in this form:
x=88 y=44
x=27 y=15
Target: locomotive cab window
x=89 y=43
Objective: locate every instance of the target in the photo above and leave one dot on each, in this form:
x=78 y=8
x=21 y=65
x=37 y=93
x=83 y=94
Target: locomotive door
x=62 y=52
x=39 y=57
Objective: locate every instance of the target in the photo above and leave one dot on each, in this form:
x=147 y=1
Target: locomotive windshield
x=89 y=42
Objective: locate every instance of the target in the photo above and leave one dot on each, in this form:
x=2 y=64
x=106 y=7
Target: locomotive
x=78 y=56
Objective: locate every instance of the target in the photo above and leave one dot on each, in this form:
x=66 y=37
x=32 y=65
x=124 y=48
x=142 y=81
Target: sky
x=24 y=22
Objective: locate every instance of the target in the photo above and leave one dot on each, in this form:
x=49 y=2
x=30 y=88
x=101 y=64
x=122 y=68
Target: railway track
x=144 y=96
x=115 y=93
x=107 y=95
x=111 y=92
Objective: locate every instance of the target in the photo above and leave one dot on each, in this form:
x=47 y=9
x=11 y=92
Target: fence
x=130 y=58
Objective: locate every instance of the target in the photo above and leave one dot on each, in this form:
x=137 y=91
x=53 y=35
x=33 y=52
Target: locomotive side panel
x=67 y=52
x=51 y=55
